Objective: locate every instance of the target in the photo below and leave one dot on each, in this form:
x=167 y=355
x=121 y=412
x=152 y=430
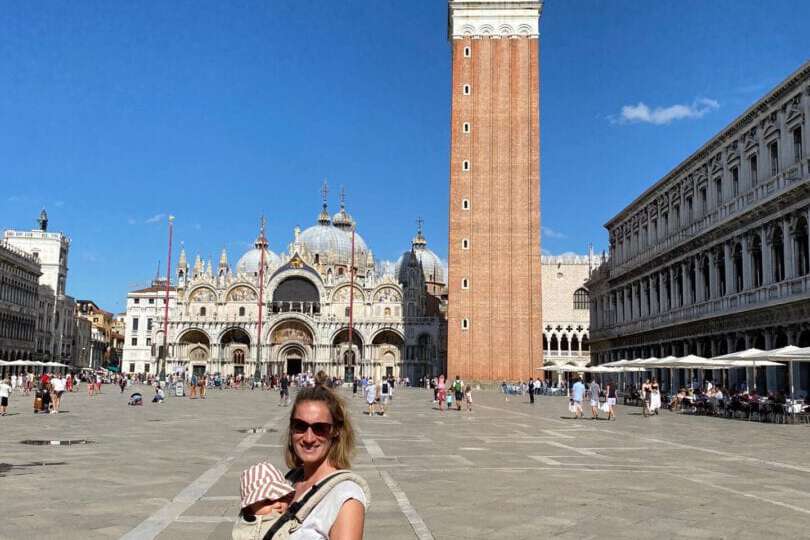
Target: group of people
x=445 y=393
x=600 y=399
x=377 y=393
x=48 y=390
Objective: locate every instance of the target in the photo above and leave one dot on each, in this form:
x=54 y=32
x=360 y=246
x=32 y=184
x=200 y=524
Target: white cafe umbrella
x=795 y=355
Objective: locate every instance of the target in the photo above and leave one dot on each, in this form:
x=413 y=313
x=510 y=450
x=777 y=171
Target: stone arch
x=304 y=273
x=296 y=293
x=238 y=292
x=387 y=293
x=202 y=294
x=291 y=329
x=194 y=335
x=342 y=336
x=234 y=334
x=340 y=294
x=387 y=329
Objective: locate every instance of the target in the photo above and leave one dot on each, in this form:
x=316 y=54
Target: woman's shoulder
x=351 y=488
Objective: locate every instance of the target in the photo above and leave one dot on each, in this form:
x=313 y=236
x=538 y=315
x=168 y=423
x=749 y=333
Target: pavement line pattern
x=171 y=511
x=731 y=455
x=418 y=525
x=573 y=449
x=373 y=449
x=545 y=460
x=413 y=517
x=742 y=493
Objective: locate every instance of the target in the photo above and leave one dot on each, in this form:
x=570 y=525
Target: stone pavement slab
x=508 y=470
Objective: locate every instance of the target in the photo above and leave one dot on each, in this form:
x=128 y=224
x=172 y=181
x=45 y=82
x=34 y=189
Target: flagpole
x=257 y=375
x=162 y=374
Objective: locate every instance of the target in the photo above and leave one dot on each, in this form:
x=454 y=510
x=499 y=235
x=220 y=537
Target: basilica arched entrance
x=387 y=346
x=291 y=345
x=348 y=358
x=234 y=351
x=195 y=351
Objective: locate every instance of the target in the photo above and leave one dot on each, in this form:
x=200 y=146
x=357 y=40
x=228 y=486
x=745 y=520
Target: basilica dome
x=250 y=261
x=432 y=266
x=332 y=242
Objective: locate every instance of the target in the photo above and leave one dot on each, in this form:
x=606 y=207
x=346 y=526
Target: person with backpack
x=531 y=390
x=458 y=391
x=193 y=392
x=329 y=499
x=385 y=395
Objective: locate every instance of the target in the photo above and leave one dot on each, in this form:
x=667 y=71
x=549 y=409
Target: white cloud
x=14 y=198
x=664 y=115
x=548 y=232
x=155 y=218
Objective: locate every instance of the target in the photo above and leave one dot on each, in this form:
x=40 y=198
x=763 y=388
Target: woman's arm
x=349 y=522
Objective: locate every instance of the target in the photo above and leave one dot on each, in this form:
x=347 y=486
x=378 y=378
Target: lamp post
x=162 y=360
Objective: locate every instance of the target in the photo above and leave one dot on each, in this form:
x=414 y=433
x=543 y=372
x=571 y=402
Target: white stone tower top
x=495 y=18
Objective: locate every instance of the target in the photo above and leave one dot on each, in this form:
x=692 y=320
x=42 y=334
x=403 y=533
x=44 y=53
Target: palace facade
x=397 y=310
x=714 y=257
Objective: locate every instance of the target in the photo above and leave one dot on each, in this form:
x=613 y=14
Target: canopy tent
x=795 y=355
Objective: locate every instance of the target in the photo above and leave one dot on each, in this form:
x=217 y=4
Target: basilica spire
x=419 y=241
x=323 y=217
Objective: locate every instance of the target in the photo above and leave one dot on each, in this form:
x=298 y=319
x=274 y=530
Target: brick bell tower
x=494 y=311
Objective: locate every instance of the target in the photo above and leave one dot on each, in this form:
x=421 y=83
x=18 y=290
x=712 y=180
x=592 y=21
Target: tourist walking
x=577 y=395
x=646 y=394
x=284 y=390
x=596 y=392
x=58 y=387
x=371 y=396
x=5 y=394
x=655 y=397
x=441 y=392
x=468 y=398
x=354 y=388
x=610 y=393
x=385 y=395
x=531 y=390
x=458 y=392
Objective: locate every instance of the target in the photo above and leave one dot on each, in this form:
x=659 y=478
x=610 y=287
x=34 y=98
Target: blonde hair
x=342 y=448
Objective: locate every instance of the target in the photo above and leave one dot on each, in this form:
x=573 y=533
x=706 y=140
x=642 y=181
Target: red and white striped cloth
x=263 y=482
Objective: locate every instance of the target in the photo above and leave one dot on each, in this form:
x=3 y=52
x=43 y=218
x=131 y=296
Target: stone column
x=767 y=256
x=700 y=284
x=787 y=240
x=686 y=283
x=729 y=264
x=714 y=282
x=748 y=278
x=673 y=289
x=654 y=292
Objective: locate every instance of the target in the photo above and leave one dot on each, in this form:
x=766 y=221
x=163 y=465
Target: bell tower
x=494 y=311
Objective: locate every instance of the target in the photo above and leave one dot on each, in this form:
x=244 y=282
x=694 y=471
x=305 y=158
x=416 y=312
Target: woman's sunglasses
x=320 y=429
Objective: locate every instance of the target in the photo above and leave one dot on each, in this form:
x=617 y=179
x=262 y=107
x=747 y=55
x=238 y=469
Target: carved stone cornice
x=494 y=18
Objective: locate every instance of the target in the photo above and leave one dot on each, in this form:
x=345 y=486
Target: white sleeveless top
x=319 y=522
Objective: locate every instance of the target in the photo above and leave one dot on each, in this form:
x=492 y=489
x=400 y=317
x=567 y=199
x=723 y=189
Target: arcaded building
x=494 y=302
x=714 y=257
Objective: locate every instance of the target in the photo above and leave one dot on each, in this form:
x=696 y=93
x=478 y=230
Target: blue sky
x=114 y=114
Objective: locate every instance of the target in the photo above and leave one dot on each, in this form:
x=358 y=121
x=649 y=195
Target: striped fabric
x=263 y=482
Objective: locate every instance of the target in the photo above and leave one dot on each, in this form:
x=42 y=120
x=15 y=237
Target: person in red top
x=44 y=379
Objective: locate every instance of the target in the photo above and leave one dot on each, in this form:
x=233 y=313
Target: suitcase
x=37 y=404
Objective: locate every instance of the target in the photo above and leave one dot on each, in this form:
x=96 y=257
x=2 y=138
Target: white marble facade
x=214 y=310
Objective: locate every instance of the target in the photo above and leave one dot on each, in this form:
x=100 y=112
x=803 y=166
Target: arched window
x=202 y=312
x=239 y=356
x=581 y=299
x=241 y=311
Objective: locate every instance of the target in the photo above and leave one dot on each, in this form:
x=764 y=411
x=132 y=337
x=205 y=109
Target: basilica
x=384 y=319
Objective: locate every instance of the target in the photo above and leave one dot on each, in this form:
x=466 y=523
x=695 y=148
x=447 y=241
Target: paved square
x=509 y=470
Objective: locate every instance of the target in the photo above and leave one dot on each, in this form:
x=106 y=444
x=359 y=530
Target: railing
x=773 y=292
x=726 y=211
x=18 y=252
